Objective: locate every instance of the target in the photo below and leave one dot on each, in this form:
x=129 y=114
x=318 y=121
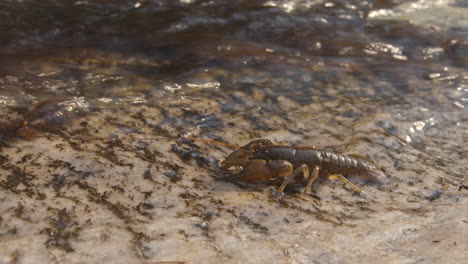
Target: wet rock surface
x=127 y=171
x=139 y=196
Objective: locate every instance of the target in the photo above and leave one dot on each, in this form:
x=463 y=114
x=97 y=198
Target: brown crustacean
x=262 y=161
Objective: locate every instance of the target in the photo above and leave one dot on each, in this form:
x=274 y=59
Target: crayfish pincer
x=262 y=160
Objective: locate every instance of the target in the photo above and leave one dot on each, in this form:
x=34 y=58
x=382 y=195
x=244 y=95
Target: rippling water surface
x=139 y=52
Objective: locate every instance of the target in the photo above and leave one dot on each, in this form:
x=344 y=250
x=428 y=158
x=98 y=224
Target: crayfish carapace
x=262 y=161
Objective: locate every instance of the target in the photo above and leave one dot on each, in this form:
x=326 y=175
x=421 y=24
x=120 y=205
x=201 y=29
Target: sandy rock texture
x=112 y=186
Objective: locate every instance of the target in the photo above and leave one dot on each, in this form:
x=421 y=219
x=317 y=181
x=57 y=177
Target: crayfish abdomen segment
x=328 y=162
x=333 y=163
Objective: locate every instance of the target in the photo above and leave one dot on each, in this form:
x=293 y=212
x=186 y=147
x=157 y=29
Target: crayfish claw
x=241 y=156
x=254 y=171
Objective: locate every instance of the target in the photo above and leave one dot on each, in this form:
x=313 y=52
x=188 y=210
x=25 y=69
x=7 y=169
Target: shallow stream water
x=122 y=166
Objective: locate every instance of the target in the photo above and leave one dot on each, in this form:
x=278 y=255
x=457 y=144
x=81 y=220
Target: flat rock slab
x=113 y=187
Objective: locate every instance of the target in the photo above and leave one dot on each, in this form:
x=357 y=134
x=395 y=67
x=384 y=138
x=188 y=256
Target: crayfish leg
x=303 y=168
x=314 y=175
x=343 y=179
